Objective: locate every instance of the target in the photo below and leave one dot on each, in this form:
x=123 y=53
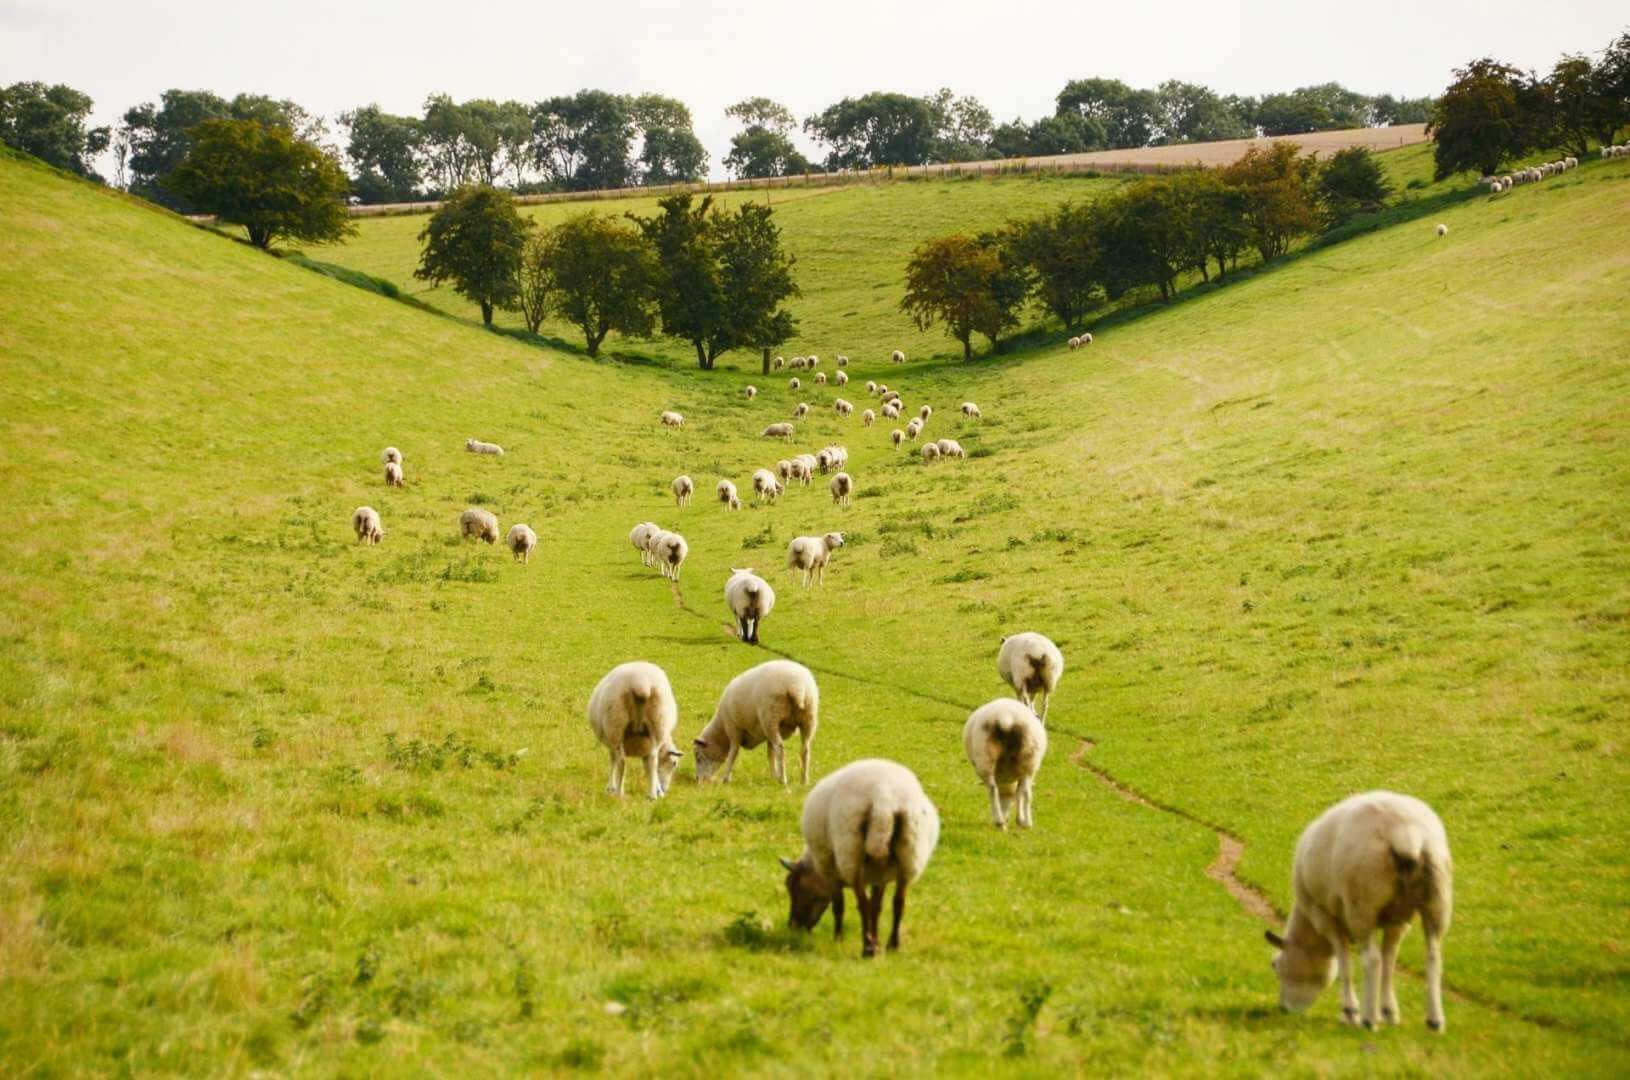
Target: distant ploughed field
x=1222 y=153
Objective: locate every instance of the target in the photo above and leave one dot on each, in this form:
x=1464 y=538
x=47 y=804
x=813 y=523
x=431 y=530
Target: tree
x=1060 y=249
x=383 y=150
x=600 y=277
x=1612 y=78
x=756 y=273
x=962 y=127
x=1192 y=113
x=1277 y=200
x=877 y=129
x=1476 y=124
x=153 y=139
x=475 y=240
x=1146 y=237
x=670 y=152
x=1127 y=117
x=1573 y=104
x=764 y=147
x=266 y=180
x=534 y=281
x=1219 y=225
x=1351 y=182
x=49 y=122
x=1292 y=114
x=1389 y=110
x=583 y=142
x=966 y=284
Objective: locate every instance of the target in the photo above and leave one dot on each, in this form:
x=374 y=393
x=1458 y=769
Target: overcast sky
x=1014 y=55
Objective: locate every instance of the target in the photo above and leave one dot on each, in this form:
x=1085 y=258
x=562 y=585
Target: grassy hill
x=1357 y=522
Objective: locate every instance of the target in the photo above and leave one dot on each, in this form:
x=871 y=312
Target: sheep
x=764 y=704
x=749 y=392
x=1005 y=743
x=369 y=530
x=885 y=395
x=1443 y=230
x=950 y=448
x=914 y=429
x=970 y=410
x=882 y=390
x=869 y=823
x=797 y=363
x=842 y=484
x=684 y=487
x=813 y=361
x=807 y=461
x=778 y=431
x=897 y=437
x=810 y=554
x=765 y=485
x=801 y=411
x=476 y=446
x=779 y=363
x=843 y=361
x=930 y=452
x=390 y=455
x=891 y=411
x=640 y=536
x=672 y=419
x=871 y=387
x=1086 y=339
x=671 y=550
x=393 y=474
x=793 y=383
x=632 y=712
x=868 y=418
x=897 y=357
x=1075 y=343
x=1032 y=665
x=797 y=470
x=482 y=524
x=750 y=599
x=726 y=491
x=843 y=407
x=1371 y=861
x=783 y=470
x=925 y=412
x=820 y=378
x=521 y=542
x=841 y=378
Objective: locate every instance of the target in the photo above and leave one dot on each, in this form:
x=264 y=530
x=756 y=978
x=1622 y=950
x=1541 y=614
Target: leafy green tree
x=535 y=280
x=49 y=122
x=600 y=276
x=1389 y=110
x=1292 y=114
x=384 y=152
x=764 y=146
x=756 y=274
x=1127 y=117
x=474 y=240
x=876 y=129
x=1612 y=78
x=1061 y=250
x=1573 y=105
x=1147 y=239
x=1275 y=185
x=1351 y=182
x=266 y=180
x=1477 y=123
x=1218 y=224
x=962 y=127
x=1189 y=112
x=584 y=142
x=670 y=152
x=967 y=284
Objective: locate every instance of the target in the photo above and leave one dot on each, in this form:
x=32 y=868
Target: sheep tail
x=881 y=822
x=1408 y=845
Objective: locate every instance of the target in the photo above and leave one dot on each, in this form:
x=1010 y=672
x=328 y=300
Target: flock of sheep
x=1497 y=184
x=1369 y=864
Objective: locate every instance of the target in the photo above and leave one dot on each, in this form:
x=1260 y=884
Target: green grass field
x=1357 y=521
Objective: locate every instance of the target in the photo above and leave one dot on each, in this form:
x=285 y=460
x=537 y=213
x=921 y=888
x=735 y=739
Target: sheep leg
x=653 y=778
x=996 y=816
x=876 y=918
x=837 y=914
x=1047 y=703
x=899 y=911
x=1370 y=952
x=803 y=757
x=614 y=786
x=865 y=917
x=778 y=755
x=1434 y=977
x=1026 y=804
x=730 y=760
x=1391 y=938
x=1344 y=971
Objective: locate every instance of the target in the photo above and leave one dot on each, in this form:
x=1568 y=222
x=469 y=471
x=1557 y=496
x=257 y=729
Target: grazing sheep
x=891 y=411
x=801 y=411
x=778 y=431
x=797 y=470
x=970 y=410
x=482 y=524
x=393 y=474
x=1075 y=343
x=1005 y=744
x=883 y=390
x=930 y=452
x=779 y=363
x=867 y=824
x=783 y=470
x=684 y=487
x=1086 y=339
x=369 y=530
x=897 y=357
x=950 y=448
x=1032 y=665
x=871 y=387
x=843 y=407
x=897 y=437
x=842 y=484
x=1443 y=230
x=914 y=428
x=808 y=463
x=868 y=418
x=521 y=542
x=633 y=713
x=797 y=363
x=641 y=536
x=750 y=599
x=390 y=455
x=671 y=550
x=843 y=361
x=810 y=554
x=793 y=383
x=750 y=392
x=726 y=491
x=887 y=396
x=1372 y=861
x=820 y=378
x=765 y=485
x=924 y=413
x=841 y=378
x=764 y=704
x=672 y=419
x=476 y=446
x=813 y=361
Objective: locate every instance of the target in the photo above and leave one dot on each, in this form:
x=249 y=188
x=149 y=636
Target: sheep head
x=808 y=892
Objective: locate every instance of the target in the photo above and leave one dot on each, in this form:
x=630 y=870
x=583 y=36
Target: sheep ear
x=1274 y=939
x=786 y=863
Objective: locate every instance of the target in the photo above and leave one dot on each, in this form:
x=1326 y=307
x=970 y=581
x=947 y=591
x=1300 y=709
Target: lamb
x=970 y=410
x=841 y=378
x=750 y=599
x=640 y=536
x=521 y=542
x=479 y=523
x=369 y=530
x=897 y=437
x=931 y=451
x=867 y=824
x=750 y=392
x=726 y=491
x=764 y=704
x=672 y=419
x=684 y=487
x=925 y=412
x=391 y=454
x=914 y=429
x=765 y=485
x=778 y=431
x=950 y=448
x=1372 y=861
x=897 y=357
x=810 y=554
x=820 y=377
x=841 y=486
x=671 y=550
x=476 y=446
x=868 y=418
x=393 y=474
x=1032 y=665
x=801 y=411
x=633 y=713
x=793 y=383
x=1005 y=744
x=843 y=407
x=1443 y=230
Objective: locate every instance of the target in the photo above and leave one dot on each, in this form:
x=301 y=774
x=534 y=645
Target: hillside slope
x=1354 y=523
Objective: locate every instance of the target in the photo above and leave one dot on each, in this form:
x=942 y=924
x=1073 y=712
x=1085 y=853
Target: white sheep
x=1443 y=230
x=750 y=599
x=843 y=361
x=868 y=418
x=482 y=524
x=779 y=363
x=393 y=474
x=764 y=704
x=726 y=492
x=841 y=486
x=820 y=378
x=783 y=470
x=810 y=554
x=868 y=824
x=813 y=361
x=1372 y=861
x=914 y=428
x=684 y=487
x=871 y=387
x=931 y=452
x=970 y=410
x=897 y=437
x=750 y=392
x=671 y=550
x=797 y=363
x=897 y=357
x=640 y=536
x=522 y=540
x=841 y=378
x=369 y=530
x=1086 y=339
x=950 y=448
x=672 y=419
x=891 y=411
x=797 y=470
x=1005 y=743
x=807 y=461
x=801 y=411
x=778 y=431
x=924 y=413
x=1075 y=343
x=391 y=454
x=1032 y=665
x=476 y=446
x=843 y=407
x=765 y=485
x=887 y=396
x=633 y=713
